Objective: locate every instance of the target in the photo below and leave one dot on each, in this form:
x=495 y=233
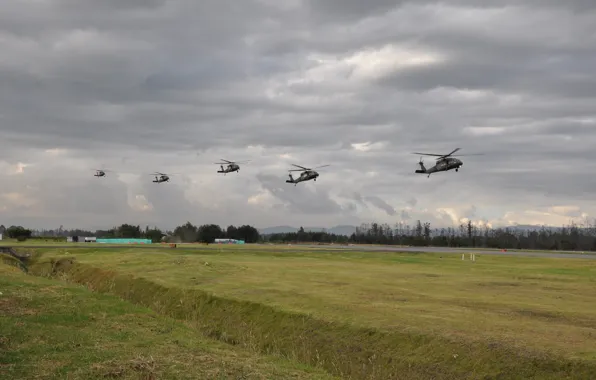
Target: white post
x=463 y=256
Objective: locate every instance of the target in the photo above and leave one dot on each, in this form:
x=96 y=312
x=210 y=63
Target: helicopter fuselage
x=306 y=175
x=99 y=174
x=229 y=169
x=442 y=165
x=161 y=178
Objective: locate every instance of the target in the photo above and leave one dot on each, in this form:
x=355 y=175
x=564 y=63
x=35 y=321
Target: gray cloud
x=299 y=200
x=139 y=86
x=404 y=215
x=378 y=202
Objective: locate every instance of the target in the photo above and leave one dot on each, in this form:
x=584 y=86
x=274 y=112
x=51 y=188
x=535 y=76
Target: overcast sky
x=138 y=86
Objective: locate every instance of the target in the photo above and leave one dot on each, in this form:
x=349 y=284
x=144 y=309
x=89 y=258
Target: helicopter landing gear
x=456 y=169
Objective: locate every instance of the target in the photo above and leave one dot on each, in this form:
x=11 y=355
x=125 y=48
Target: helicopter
x=162 y=177
x=444 y=163
x=100 y=173
x=306 y=175
x=232 y=166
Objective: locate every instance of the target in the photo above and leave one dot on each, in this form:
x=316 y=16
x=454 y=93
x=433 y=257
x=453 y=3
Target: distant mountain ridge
x=348 y=230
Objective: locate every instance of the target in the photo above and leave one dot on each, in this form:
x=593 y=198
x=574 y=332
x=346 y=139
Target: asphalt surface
x=478 y=251
x=446 y=250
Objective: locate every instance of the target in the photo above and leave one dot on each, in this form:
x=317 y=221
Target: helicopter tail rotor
x=422 y=167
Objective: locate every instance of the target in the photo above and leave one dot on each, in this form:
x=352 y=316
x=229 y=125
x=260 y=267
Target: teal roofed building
x=228 y=241
x=124 y=241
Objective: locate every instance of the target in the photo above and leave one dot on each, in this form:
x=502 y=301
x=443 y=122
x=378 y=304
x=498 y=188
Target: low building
x=80 y=239
x=124 y=241
x=228 y=241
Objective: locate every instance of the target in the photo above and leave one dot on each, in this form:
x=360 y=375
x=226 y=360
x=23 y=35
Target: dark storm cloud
x=138 y=86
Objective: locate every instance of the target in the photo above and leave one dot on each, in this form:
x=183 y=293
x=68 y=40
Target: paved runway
x=479 y=251
x=388 y=248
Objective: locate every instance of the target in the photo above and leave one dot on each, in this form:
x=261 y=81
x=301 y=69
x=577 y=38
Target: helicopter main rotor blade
x=429 y=154
x=158 y=173
x=454 y=150
x=231 y=162
x=301 y=167
x=322 y=166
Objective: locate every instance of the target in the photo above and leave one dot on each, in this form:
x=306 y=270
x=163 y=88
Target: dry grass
x=427 y=314
x=52 y=330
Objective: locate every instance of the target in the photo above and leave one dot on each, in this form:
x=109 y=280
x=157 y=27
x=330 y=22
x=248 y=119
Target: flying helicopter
x=160 y=177
x=100 y=172
x=232 y=166
x=444 y=163
x=306 y=175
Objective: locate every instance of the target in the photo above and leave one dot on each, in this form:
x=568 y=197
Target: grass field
x=52 y=330
x=366 y=314
x=266 y=246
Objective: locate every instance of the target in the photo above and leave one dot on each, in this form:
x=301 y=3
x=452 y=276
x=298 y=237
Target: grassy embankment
x=367 y=314
x=53 y=330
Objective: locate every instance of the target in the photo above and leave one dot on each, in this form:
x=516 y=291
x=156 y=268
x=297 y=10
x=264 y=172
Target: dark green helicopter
x=444 y=163
x=306 y=175
x=232 y=166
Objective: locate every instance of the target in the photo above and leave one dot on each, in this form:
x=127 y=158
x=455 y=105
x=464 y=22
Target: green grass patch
x=53 y=330
x=367 y=314
x=7 y=259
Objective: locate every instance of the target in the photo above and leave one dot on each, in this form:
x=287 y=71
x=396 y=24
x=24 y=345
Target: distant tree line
x=207 y=233
x=187 y=233
x=581 y=237
x=571 y=237
x=574 y=236
x=16 y=232
x=302 y=236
